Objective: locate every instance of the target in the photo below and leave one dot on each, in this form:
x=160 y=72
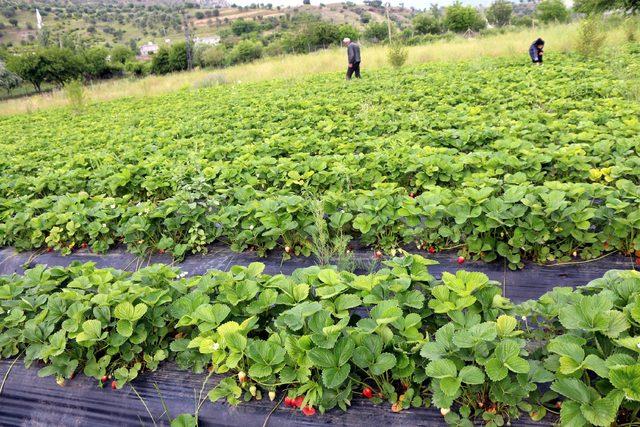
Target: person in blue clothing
x=536 y=50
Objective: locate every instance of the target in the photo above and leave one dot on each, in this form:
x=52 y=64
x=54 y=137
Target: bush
x=121 y=54
x=590 y=37
x=245 y=51
x=160 y=63
x=425 y=23
x=459 y=18
x=211 y=56
x=210 y=80
x=397 y=55
x=376 y=32
x=74 y=92
x=137 y=68
x=631 y=29
x=170 y=59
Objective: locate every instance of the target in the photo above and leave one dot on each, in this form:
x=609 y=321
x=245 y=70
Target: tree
x=95 y=64
x=240 y=26
x=426 y=23
x=376 y=31
x=55 y=65
x=348 y=31
x=160 y=62
x=245 y=51
x=8 y=79
x=178 y=57
x=121 y=54
x=28 y=67
x=323 y=34
x=552 y=11
x=459 y=18
x=499 y=13
x=61 y=65
x=599 y=6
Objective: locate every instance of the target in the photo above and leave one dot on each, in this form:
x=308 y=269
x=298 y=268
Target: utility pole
x=386 y=7
x=187 y=39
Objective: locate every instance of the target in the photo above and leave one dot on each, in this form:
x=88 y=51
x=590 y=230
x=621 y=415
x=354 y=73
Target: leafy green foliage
x=521 y=182
x=325 y=334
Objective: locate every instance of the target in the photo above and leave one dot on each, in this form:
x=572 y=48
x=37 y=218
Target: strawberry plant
x=491 y=169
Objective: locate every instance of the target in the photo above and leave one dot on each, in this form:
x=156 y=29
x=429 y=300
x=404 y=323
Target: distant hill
x=137 y=22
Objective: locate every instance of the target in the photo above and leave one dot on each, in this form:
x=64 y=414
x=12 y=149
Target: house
x=149 y=49
x=210 y=40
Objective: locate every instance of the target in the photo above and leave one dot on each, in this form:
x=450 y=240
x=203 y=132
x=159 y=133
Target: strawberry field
x=319 y=339
x=493 y=158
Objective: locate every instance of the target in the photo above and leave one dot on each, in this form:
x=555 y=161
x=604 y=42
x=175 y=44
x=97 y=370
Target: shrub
x=631 y=29
x=590 y=37
x=211 y=56
x=74 y=92
x=376 y=32
x=397 y=55
x=245 y=51
x=425 y=23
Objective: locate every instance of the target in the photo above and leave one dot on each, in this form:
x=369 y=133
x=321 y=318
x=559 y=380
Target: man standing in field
x=353 y=54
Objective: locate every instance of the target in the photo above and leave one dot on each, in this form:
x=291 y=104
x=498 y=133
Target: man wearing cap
x=353 y=54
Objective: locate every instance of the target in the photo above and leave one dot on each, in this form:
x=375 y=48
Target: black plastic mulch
x=527 y=283
x=31 y=401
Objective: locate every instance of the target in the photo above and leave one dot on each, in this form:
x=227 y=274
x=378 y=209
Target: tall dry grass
x=560 y=38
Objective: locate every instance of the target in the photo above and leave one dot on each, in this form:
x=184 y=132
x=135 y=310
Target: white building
x=149 y=49
x=210 y=40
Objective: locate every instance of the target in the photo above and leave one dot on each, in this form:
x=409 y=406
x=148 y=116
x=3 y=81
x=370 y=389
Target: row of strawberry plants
x=519 y=222
x=321 y=337
x=412 y=167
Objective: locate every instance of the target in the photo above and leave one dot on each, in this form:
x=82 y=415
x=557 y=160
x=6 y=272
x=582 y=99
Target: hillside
x=135 y=23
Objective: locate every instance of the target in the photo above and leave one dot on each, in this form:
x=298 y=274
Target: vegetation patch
x=323 y=336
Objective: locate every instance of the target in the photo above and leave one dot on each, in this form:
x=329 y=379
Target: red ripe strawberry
x=104 y=379
x=114 y=385
x=367 y=392
x=460 y=260
x=288 y=401
x=297 y=402
x=49 y=249
x=161 y=251
x=84 y=245
x=309 y=411
x=432 y=250
x=638 y=261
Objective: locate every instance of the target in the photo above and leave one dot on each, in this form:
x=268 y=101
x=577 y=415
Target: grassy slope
x=560 y=39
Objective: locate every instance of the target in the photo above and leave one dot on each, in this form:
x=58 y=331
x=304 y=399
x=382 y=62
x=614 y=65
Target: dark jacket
x=535 y=52
x=353 y=52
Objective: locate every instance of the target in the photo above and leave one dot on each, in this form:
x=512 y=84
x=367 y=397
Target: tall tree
x=552 y=11
x=459 y=18
x=598 y=6
x=499 y=13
